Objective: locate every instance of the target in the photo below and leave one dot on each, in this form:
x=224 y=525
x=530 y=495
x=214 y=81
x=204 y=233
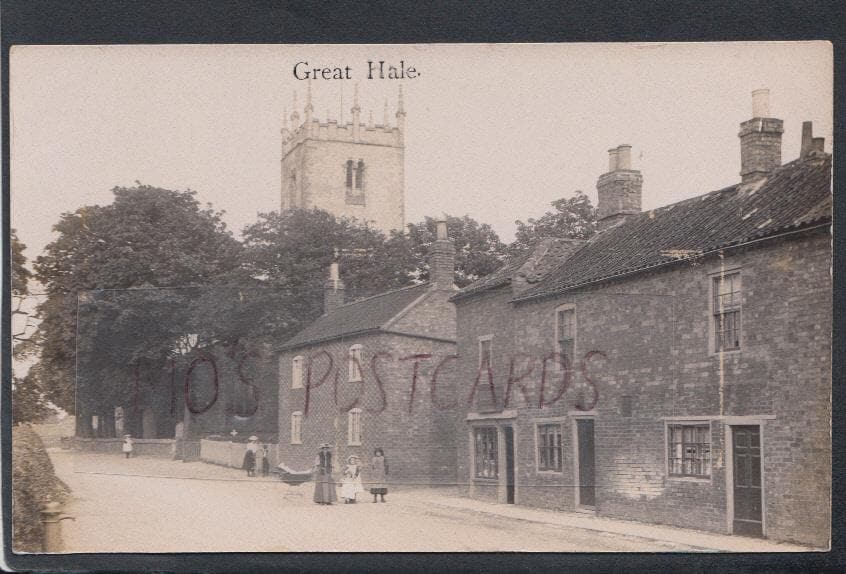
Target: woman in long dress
x=250 y=456
x=324 y=488
x=379 y=474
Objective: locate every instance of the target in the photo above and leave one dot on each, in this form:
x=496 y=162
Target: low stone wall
x=158 y=447
x=227 y=453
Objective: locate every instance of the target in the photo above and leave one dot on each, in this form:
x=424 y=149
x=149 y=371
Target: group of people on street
x=256 y=457
x=325 y=490
x=351 y=477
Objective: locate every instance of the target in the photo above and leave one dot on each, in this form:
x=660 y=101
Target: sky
x=495 y=131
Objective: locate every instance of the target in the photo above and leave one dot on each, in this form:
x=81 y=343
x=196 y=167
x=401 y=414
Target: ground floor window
x=486 y=455
x=296 y=428
x=549 y=447
x=689 y=450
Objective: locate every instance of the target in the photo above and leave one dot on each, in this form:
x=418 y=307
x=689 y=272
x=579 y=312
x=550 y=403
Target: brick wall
x=417 y=435
x=654 y=333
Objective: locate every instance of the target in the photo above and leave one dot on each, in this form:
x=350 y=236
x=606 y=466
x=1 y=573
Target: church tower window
x=349 y=174
x=359 y=176
x=292 y=189
x=355 y=182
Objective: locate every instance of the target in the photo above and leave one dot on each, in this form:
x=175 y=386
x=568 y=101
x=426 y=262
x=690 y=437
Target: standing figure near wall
x=264 y=454
x=250 y=456
x=351 y=481
x=379 y=475
x=127 y=445
x=324 y=487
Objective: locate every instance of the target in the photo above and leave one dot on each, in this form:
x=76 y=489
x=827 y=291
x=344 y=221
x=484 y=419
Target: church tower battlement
x=350 y=169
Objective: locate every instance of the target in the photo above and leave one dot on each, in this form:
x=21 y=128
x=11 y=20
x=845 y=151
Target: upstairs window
x=297 y=373
x=354 y=364
x=726 y=312
x=565 y=331
x=485 y=353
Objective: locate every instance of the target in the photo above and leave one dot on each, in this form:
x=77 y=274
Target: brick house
x=376 y=372
x=676 y=368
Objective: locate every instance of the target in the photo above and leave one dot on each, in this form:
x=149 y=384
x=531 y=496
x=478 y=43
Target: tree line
x=128 y=282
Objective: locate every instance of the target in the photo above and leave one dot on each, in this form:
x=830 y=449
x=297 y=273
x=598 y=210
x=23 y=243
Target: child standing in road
x=127 y=445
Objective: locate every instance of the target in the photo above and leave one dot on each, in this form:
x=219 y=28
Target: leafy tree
x=20 y=290
x=28 y=402
x=478 y=250
x=107 y=268
x=574 y=218
x=286 y=261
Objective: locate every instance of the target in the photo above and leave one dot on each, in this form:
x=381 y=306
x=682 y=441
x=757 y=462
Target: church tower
x=354 y=170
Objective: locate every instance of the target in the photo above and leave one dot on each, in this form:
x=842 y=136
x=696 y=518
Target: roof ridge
x=382 y=294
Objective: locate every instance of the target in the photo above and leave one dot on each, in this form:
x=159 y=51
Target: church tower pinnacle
x=295 y=115
x=309 y=109
x=356 y=115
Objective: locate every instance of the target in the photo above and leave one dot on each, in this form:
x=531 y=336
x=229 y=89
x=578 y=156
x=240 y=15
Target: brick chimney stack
x=442 y=258
x=809 y=142
x=760 y=140
x=620 y=189
x=333 y=290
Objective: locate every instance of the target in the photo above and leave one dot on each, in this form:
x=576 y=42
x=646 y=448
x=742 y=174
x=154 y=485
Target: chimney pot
x=760 y=140
x=619 y=190
x=442 y=258
x=624 y=156
x=612 y=159
x=334 y=290
x=807 y=136
x=441 y=230
x=761 y=103
x=818 y=144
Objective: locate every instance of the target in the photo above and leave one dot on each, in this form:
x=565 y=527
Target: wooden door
x=509 y=464
x=748 y=516
x=587 y=465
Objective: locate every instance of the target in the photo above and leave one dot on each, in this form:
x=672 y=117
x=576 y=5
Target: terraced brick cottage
x=377 y=372
x=676 y=367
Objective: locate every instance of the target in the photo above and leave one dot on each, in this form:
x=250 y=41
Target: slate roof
x=362 y=316
x=796 y=195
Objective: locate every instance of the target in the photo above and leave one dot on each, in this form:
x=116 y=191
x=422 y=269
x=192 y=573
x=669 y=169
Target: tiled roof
x=361 y=316
x=498 y=278
x=795 y=195
x=530 y=266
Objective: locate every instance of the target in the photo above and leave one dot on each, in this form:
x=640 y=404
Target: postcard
x=422 y=297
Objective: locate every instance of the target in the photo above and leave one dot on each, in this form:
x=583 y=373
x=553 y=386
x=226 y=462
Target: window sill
x=549 y=472
x=483 y=480
x=726 y=353
x=354 y=443
x=694 y=479
x=296 y=442
x=354 y=380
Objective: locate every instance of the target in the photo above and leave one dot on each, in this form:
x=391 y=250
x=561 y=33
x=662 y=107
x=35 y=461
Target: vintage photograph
x=422 y=297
